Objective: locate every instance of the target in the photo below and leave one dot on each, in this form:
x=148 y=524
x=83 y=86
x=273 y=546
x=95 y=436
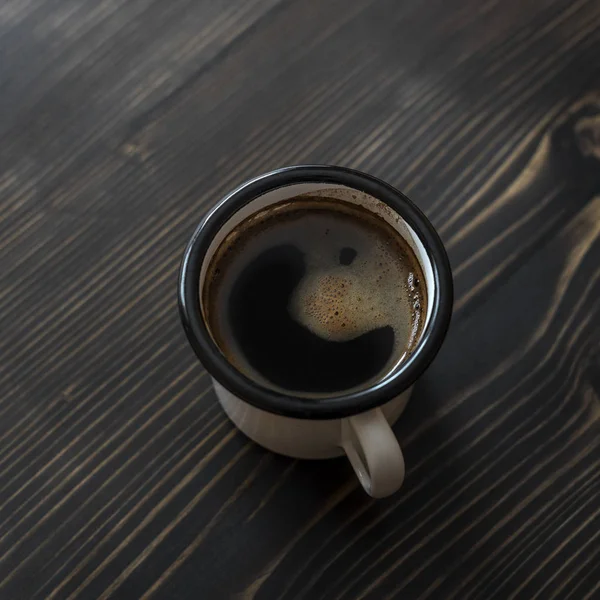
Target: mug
x=355 y=423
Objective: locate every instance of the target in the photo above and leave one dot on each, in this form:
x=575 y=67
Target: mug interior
x=335 y=191
x=350 y=186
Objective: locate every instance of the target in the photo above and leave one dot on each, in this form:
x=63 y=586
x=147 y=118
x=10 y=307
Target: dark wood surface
x=121 y=122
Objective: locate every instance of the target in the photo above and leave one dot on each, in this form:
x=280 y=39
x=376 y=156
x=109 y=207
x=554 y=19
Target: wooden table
x=122 y=122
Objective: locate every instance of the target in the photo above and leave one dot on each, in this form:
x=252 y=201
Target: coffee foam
x=342 y=302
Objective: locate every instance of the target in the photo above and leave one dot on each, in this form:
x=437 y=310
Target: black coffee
x=314 y=295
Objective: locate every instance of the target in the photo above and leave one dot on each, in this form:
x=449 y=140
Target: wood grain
x=121 y=123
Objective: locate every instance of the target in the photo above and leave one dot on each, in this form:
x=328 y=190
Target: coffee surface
x=314 y=295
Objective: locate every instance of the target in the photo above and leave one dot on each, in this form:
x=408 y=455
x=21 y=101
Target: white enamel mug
x=357 y=423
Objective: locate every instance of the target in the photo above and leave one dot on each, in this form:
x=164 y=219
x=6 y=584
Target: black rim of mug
x=288 y=405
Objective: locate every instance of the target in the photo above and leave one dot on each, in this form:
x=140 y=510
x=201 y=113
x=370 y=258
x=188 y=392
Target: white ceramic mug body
x=315 y=432
x=298 y=438
x=329 y=438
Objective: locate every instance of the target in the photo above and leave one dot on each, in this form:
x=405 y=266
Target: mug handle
x=374 y=452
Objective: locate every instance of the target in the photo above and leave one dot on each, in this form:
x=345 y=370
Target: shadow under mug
x=357 y=423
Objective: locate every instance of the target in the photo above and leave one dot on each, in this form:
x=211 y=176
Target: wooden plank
x=121 y=123
x=74 y=73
